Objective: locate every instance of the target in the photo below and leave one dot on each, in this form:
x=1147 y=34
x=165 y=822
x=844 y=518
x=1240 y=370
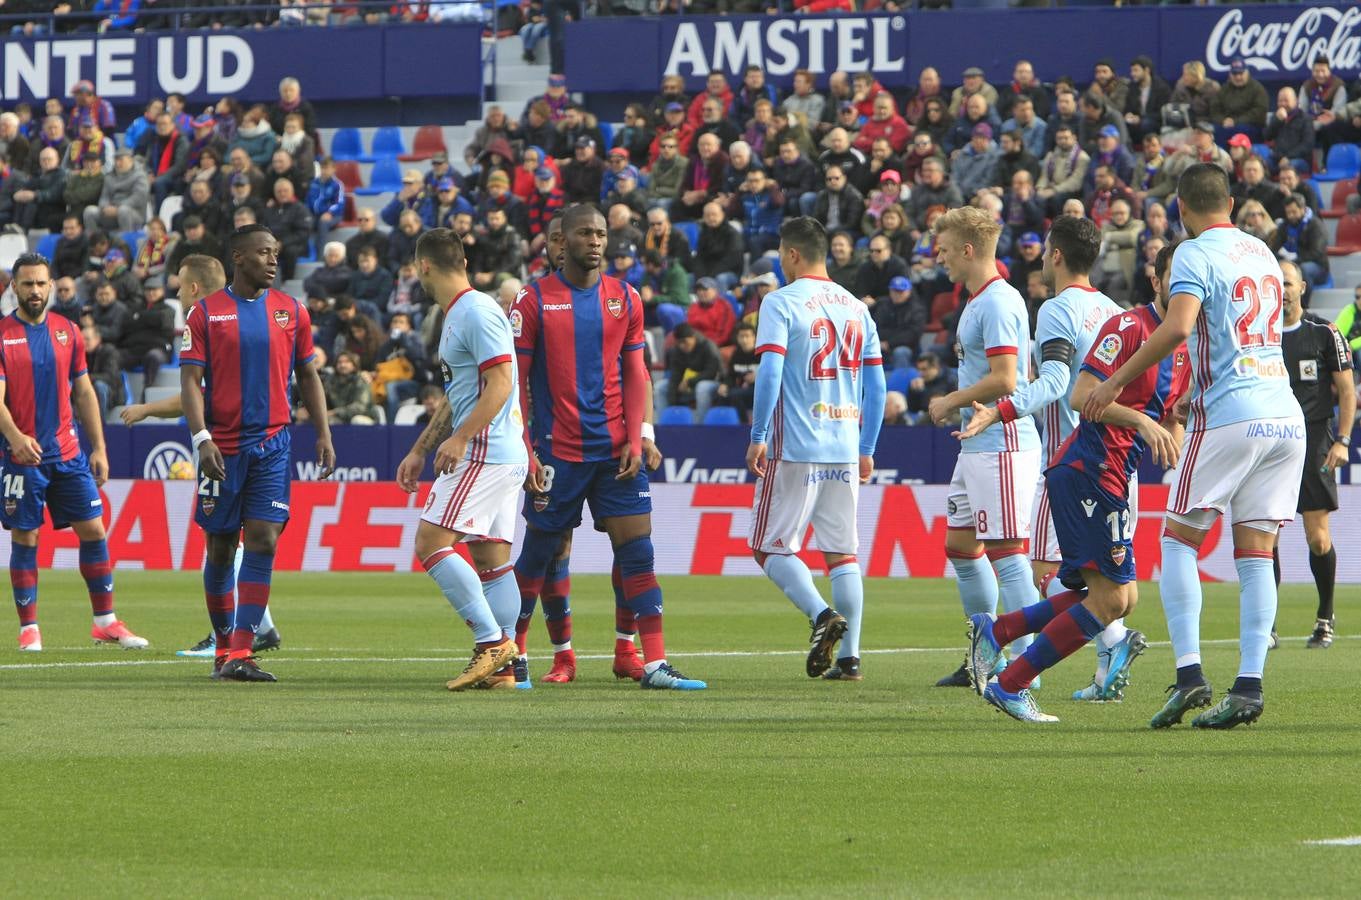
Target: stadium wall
x=1277 y=41
x=701 y=530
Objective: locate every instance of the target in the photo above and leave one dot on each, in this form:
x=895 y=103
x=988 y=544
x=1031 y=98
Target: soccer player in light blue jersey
x=1245 y=439
x=993 y=486
x=816 y=416
x=1064 y=334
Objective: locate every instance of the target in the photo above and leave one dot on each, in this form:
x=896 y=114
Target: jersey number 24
x=850 y=344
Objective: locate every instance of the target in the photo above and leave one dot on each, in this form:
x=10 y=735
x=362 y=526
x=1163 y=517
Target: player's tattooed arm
x=439 y=428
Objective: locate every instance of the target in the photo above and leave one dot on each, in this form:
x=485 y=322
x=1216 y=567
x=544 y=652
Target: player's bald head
x=1203 y=190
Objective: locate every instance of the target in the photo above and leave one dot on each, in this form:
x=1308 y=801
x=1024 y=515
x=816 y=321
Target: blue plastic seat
x=48 y=245
x=385 y=178
x=347 y=145
x=1344 y=163
x=387 y=141
x=722 y=415
x=691 y=232
x=607 y=133
x=676 y=415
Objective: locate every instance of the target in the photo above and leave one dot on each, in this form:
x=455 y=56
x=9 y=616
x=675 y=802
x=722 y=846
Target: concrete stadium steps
x=1330 y=301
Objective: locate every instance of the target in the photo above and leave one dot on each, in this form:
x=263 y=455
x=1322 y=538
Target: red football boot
x=564 y=670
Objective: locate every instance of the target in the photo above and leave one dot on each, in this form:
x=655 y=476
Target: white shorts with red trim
x=1044 y=541
x=1250 y=470
x=478 y=499
x=794 y=495
x=993 y=493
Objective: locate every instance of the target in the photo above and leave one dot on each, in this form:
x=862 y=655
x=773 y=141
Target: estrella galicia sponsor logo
x=819 y=475
x=1275 y=430
x=160 y=462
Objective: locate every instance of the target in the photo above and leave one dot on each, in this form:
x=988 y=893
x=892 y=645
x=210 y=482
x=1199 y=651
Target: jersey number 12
x=850 y=344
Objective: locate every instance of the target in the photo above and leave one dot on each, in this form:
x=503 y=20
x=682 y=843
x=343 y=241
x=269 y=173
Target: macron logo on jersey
x=556 y=307
x=12 y=341
x=231 y=317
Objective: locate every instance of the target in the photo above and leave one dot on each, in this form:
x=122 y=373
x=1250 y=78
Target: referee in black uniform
x=1320 y=364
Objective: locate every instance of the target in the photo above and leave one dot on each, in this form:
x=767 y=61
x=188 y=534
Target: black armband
x=1058 y=350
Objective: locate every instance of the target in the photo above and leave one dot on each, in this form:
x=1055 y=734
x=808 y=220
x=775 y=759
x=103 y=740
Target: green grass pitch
x=133 y=774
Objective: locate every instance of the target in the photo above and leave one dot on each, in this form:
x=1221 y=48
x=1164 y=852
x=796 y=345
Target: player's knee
x=1320 y=541
x=431 y=540
x=24 y=538
x=564 y=551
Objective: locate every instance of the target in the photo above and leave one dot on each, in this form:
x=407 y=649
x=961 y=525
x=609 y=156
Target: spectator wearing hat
x=884 y=123
x=976 y=112
x=760 y=205
x=1144 y=102
x=532 y=159
x=326 y=198
x=1023 y=84
x=888 y=194
x=665 y=292
x=900 y=322
x=668 y=173
x=402 y=241
x=974 y=166
x=332 y=277
x=412 y=195
x=1029 y=258
x=84 y=186
x=1195 y=89
x=718 y=249
x=291 y=223
x=41 y=203
x=1201 y=148
x=1300 y=238
x=693 y=369
x=555 y=98
x=197 y=239
x=166 y=152
x=72 y=250
x=672 y=90
x=1096 y=116
x=91 y=106
x=127 y=286
x=89 y=139
x=712 y=315
x=1324 y=95
x=675 y=126
x=541 y=206
x=1239 y=148
x=616 y=161
x=583 y=176
x=1290 y=131
x=628 y=195
x=878 y=270
x=445 y=200
x=1063 y=171
x=1110 y=86
x=204 y=137
x=623 y=263
x=148 y=332
x=1111 y=152
x=1240 y=106
x=973 y=84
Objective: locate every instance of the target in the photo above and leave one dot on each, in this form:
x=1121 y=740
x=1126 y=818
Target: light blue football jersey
x=1075 y=315
x=826 y=335
x=1238 y=371
x=995 y=322
x=476 y=337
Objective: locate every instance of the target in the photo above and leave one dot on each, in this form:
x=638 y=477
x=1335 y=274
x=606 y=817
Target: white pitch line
x=1353 y=841
x=455 y=655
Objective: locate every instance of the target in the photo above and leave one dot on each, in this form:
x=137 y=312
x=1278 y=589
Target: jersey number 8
x=1252 y=333
x=850 y=344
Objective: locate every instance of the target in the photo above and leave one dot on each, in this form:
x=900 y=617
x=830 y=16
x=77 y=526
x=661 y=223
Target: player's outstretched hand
x=326 y=456
x=1161 y=445
x=409 y=471
x=133 y=413
x=629 y=466
x=99 y=466
x=651 y=455
x=449 y=454
x=983 y=416
x=210 y=461
x=866 y=469
x=756 y=460
x=1099 y=400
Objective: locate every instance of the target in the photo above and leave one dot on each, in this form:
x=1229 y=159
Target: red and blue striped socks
x=23 y=578
x=97 y=571
x=1066 y=633
x=252 y=588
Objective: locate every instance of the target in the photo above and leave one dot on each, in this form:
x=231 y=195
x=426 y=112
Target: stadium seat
x=349 y=218
x=1337 y=207
x=899 y=380
x=722 y=415
x=348 y=172
x=1264 y=152
x=385 y=178
x=1344 y=163
x=607 y=134
x=941 y=306
x=387 y=142
x=347 y=145
x=170 y=207
x=48 y=245
x=1348 y=237
x=691 y=232
x=408 y=414
x=676 y=415
x=12 y=246
x=428 y=141
x=134 y=241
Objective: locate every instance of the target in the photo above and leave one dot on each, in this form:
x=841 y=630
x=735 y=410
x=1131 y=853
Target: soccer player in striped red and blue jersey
x=242 y=347
x=43 y=383
x=571 y=331
x=1088 y=483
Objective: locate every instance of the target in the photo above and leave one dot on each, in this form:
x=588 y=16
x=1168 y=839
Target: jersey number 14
x=850 y=343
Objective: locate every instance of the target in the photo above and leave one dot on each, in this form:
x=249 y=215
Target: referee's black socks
x=1325 y=576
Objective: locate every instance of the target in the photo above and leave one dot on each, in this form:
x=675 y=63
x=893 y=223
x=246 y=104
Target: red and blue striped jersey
x=1108 y=453
x=38 y=364
x=248 y=349
x=564 y=336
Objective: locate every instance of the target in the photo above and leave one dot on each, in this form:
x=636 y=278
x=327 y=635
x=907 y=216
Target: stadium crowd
x=694 y=186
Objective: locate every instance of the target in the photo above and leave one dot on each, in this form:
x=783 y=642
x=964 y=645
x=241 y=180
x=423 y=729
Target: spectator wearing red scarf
x=89 y=106
x=166 y=153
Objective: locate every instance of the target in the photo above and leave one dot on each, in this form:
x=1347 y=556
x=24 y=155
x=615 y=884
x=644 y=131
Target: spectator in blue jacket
x=754 y=88
x=326 y=199
x=760 y=205
x=443 y=204
x=143 y=123
x=1110 y=152
x=616 y=162
x=411 y=196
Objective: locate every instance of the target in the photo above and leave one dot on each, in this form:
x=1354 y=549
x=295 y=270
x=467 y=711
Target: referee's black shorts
x=1318 y=490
